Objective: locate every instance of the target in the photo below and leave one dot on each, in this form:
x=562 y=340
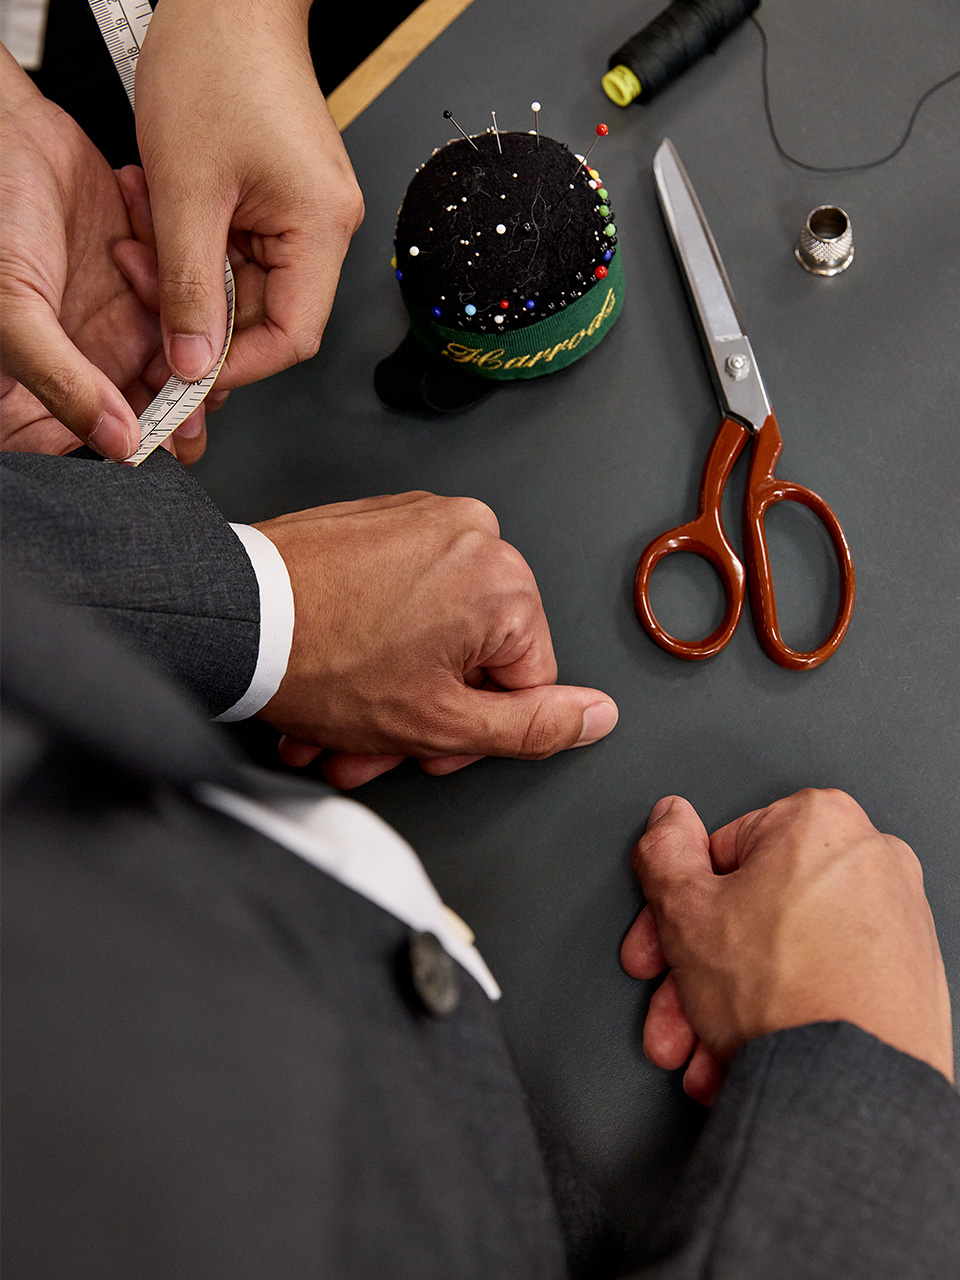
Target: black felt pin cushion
x=506 y=255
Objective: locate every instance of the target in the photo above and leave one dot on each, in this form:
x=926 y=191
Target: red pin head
x=602 y=132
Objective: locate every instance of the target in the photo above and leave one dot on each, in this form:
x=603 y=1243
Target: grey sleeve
x=147 y=553
x=829 y=1156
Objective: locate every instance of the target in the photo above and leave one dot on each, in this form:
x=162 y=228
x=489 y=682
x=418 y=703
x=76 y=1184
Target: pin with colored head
x=602 y=132
x=448 y=115
x=535 y=108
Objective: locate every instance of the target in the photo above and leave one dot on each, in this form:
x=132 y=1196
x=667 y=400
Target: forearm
x=148 y=552
x=267 y=19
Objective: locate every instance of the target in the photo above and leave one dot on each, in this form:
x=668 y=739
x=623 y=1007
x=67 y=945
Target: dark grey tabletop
x=584 y=467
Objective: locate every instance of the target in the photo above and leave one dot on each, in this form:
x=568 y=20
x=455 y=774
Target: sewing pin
x=448 y=115
x=535 y=108
x=602 y=132
x=499 y=148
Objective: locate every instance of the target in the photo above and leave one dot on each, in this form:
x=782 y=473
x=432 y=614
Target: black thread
x=841 y=168
x=677 y=38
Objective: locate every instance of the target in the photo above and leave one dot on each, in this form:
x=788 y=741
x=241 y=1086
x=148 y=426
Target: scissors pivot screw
x=737 y=367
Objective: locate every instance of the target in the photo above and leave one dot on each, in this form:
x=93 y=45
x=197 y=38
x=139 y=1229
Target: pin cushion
x=507 y=259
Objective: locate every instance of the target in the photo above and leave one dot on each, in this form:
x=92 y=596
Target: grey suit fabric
x=831 y=1155
x=147 y=551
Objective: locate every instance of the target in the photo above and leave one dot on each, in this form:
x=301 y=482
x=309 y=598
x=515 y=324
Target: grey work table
x=584 y=467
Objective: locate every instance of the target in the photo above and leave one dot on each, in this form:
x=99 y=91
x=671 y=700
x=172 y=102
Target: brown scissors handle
x=704 y=537
x=763 y=490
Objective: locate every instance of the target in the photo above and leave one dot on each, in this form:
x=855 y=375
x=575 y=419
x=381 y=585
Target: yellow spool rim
x=621 y=86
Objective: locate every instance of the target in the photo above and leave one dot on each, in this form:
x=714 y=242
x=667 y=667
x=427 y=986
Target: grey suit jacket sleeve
x=829 y=1156
x=144 y=550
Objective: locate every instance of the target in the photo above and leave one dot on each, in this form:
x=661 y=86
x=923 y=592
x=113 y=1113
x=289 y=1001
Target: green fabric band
x=533 y=349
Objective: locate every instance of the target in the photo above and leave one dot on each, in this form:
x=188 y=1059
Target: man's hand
x=798 y=913
x=418 y=633
x=77 y=342
x=237 y=144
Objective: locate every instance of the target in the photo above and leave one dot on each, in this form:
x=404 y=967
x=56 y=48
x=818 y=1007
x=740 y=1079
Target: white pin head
x=496 y=131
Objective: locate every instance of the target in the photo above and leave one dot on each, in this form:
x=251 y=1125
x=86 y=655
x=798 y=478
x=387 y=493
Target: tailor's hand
x=405 y=606
x=237 y=142
x=77 y=342
x=798 y=913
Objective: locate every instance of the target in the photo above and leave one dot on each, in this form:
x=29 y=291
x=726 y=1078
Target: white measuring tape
x=123 y=25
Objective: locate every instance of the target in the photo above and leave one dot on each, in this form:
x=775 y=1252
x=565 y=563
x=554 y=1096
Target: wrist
x=258 y=15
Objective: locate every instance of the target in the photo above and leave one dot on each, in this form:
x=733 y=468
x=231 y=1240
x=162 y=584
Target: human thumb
x=38 y=353
x=529 y=724
x=672 y=855
x=191 y=245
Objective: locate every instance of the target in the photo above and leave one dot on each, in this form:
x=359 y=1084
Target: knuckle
x=542 y=733
x=831 y=797
x=182 y=287
x=305 y=346
x=352 y=207
x=335 y=209
x=813 y=806
x=476 y=514
x=513 y=563
x=513 y=624
x=908 y=859
x=58 y=389
x=477 y=556
x=512 y=577
x=344 y=203
x=652 y=842
x=808 y=799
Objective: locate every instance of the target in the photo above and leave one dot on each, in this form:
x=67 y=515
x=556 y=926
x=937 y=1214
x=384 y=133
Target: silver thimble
x=825 y=246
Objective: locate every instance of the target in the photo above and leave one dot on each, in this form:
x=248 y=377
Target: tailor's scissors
x=746 y=413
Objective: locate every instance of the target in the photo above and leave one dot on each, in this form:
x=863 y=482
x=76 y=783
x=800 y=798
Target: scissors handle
x=763 y=490
x=703 y=537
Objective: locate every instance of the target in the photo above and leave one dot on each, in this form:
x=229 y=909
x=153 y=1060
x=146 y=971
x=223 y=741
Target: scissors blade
x=732 y=363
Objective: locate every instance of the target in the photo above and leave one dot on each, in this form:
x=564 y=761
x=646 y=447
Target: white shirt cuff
x=276 y=623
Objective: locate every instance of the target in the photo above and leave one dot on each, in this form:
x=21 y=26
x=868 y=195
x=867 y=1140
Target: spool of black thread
x=675 y=39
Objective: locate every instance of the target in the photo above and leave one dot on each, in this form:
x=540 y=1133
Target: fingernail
x=112 y=437
x=660 y=810
x=191 y=356
x=598 y=720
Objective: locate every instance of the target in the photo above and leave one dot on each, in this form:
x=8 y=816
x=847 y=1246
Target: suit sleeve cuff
x=276 y=623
